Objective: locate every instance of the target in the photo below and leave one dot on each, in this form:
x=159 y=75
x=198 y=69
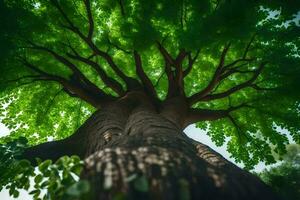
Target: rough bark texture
x=135 y=150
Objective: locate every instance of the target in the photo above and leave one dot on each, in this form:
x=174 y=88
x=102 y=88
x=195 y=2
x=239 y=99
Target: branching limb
x=244 y=57
x=72 y=145
x=234 y=70
x=226 y=67
x=214 y=81
x=168 y=58
x=248 y=46
x=70 y=65
x=55 y=3
x=90 y=18
x=130 y=82
x=74 y=89
x=175 y=78
x=159 y=78
x=168 y=70
x=224 y=71
x=180 y=57
x=108 y=81
x=236 y=88
x=179 y=71
x=197 y=114
x=191 y=61
x=117 y=46
x=143 y=76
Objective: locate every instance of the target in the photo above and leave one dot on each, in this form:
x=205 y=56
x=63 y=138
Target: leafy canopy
x=34 y=34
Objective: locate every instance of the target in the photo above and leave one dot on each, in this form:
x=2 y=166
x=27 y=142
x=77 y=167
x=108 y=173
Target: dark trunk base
x=167 y=167
x=134 y=150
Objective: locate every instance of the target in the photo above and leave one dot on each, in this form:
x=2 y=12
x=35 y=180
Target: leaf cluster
x=59 y=180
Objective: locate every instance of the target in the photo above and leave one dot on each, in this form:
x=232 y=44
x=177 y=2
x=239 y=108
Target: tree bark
x=135 y=150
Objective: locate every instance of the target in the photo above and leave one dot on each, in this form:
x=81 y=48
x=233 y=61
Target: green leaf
x=16 y=194
x=44 y=165
x=35 y=192
x=44 y=184
x=76 y=169
x=12 y=190
x=38 y=178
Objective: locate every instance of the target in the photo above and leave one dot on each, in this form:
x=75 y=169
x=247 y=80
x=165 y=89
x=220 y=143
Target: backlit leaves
x=51 y=180
x=42 y=111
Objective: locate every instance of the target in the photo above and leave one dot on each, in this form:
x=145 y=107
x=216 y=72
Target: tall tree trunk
x=133 y=149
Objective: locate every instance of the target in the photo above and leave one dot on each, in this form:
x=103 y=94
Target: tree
x=285 y=177
x=141 y=71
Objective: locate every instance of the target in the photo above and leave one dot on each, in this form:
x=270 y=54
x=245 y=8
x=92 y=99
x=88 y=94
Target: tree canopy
x=237 y=61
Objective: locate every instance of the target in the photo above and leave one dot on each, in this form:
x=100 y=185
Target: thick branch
x=168 y=63
x=143 y=76
x=130 y=82
x=214 y=81
x=72 y=145
x=73 y=89
x=179 y=72
x=71 y=66
x=197 y=114
x=175 y=78
x=168 y=58
x=108 y=81
x=180 y=57
x=236 y=88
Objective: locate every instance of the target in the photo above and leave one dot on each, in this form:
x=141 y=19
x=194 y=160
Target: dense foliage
x=285 y=178
x=260 y=33
x=59 y=179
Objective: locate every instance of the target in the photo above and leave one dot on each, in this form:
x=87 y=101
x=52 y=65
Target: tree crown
x=235 y=61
